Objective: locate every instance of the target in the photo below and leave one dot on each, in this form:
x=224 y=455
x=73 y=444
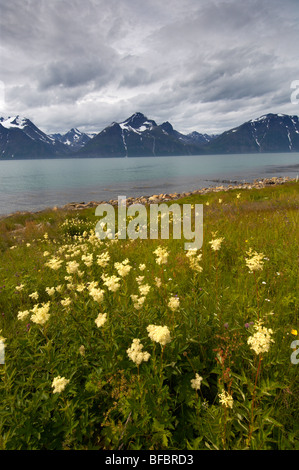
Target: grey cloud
x=197 y=63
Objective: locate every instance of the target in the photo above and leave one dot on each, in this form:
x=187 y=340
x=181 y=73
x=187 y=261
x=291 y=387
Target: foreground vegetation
x=142 y=345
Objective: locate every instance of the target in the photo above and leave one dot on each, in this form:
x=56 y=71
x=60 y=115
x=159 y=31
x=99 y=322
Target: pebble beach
x=164 y=197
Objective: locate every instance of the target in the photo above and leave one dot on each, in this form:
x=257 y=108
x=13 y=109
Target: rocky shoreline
x=164 y=197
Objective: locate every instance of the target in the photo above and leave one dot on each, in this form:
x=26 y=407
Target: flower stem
x=253 y=399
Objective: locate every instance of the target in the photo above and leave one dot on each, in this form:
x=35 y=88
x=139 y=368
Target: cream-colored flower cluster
x=50 y=291
x=123 y=268
x=103 y=259
x=96 y=293
x=22 y=315
x=66 y=302
x=174 y=303
x=260 y=341
x=144 y=289
x=255 y=261
x=59 y=384
x=40 y=313
x=101 y=319
x=112 y=282
x=194 y=260
x=137 y=301
x=216 y=243
x=72 y=267
x=226 y=399
x=196 y=383
x=136 y=354
x=161 y=255
x=87 y=259
x=159 y=334
x=54 y=263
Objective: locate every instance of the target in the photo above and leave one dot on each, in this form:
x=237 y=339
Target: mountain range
x=139 y=136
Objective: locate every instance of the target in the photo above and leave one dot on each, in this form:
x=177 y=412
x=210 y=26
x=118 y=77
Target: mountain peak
x=14 y=121
x=139 y=122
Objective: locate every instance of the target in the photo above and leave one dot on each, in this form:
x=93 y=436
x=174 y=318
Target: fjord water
x=32 y=185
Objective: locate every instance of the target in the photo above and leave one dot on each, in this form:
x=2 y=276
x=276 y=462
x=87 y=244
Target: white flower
x=101 y=319
x=80 y=288
x=174 y=303
x=59 y=384
x=87 y=259
x=22 y=315
x=54 y=263
x=135 y=352
x=138 y=301
x=66 y=302
x=103 y=259
x=216 y=243
x=112 y=282
x=255 y=261
x=40 y=314
x=196 y=383
x=159 y=334
x=72 y=267
x=144 y=289
x=20 y=287
x=162 y=255
x=139 y=279
x=122 y=268
x=226 y=399
x=97 y=294
x=260 y=341
x=34 y=295
x=50 y=290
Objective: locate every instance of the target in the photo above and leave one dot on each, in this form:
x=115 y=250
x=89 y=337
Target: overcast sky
x=201 y=65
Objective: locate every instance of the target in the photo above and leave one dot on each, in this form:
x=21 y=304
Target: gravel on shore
x=164 y=197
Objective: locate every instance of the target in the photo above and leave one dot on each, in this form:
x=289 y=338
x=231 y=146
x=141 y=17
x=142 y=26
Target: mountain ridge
x=139 y=136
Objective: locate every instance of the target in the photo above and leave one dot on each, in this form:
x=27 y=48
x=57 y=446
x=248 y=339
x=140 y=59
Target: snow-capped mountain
x=20 y=138
x=24 y=124
x=139 y=136
x=198 y=138
x=74 y=138
x=267 y=133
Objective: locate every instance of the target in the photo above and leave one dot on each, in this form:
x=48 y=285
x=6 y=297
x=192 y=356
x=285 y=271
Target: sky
x=204 y=66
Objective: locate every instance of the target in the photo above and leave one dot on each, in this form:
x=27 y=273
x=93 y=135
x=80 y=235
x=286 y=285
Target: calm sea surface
x=32 y=185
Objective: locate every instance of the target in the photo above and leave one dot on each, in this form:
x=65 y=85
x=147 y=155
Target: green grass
x=112 y=403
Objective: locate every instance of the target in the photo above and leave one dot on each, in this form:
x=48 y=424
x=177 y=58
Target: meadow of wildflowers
x=139 y=344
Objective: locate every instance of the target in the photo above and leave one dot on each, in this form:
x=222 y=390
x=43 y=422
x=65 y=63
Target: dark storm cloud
x=203 y=65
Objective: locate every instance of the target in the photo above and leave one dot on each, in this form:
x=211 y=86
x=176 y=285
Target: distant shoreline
x=165 y=197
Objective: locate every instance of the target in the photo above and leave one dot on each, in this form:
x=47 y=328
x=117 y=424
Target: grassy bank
x=74 y=378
